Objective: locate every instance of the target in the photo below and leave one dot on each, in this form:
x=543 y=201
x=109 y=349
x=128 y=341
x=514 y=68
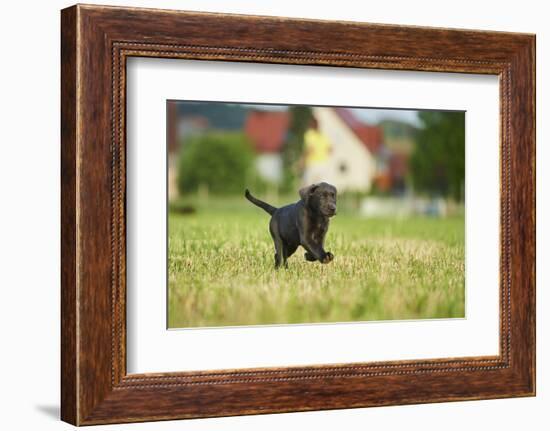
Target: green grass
x=220 y=266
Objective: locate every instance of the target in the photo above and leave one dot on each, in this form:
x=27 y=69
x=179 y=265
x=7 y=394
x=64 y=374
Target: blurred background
x=384 y=162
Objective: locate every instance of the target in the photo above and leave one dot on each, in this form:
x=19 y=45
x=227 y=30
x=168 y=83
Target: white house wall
x=270 y=166
x=348 y=149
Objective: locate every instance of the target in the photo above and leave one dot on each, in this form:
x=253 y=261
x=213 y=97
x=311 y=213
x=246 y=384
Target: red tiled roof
x=267 y=130
x=370 y=136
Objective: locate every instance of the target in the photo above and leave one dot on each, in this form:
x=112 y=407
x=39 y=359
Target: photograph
x=297 y=214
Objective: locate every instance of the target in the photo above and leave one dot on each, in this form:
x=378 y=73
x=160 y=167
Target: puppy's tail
x=265 y=206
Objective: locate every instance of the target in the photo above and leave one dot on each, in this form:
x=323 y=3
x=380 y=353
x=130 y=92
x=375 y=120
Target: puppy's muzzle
x=330 y=210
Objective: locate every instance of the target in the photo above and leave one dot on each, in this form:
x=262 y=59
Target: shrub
x=438 y=161
x=220 y=161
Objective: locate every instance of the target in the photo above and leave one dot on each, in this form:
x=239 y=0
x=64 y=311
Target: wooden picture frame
x=95 y=43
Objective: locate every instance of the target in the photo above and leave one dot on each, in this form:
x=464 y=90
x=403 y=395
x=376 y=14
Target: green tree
x=437 y=163
x=220 y=161
x=300 y=118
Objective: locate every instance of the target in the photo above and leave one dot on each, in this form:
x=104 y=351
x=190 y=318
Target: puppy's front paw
x=328 y=257
x=309 y=257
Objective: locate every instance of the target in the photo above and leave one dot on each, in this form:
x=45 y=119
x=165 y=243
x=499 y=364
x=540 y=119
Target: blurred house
x=359 y=158
x=267 y=130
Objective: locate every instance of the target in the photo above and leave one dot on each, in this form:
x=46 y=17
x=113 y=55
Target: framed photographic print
x=264 y=215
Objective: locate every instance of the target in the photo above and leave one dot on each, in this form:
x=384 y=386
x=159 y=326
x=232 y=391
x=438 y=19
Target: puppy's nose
x=332 y=208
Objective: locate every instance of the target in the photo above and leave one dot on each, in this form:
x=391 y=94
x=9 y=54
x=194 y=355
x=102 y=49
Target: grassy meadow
x=220 y=269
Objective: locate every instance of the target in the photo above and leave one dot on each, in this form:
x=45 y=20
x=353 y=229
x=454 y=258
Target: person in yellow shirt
x=317 y=149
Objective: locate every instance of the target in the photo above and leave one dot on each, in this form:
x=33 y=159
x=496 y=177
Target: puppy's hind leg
x=278 y=242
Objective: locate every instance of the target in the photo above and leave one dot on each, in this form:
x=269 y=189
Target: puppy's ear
x=305 y=192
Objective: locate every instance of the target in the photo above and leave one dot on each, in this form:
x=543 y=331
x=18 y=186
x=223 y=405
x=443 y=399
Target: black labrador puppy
x=302 y=223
